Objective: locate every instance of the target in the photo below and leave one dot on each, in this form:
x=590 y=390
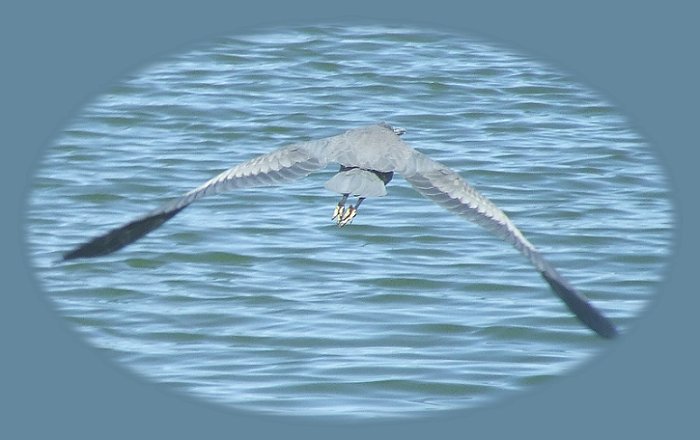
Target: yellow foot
x=338 y=212
x=347 y=216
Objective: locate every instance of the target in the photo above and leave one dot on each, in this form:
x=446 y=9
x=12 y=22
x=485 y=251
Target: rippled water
x=256 y=300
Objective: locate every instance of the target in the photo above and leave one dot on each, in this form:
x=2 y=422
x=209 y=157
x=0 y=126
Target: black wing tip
x=122 y=236
x=583 y=310
x=93 y=248
x=96 y=247
x=78 y=252
x=605 y=328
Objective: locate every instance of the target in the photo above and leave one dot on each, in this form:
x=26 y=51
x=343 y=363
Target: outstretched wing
x=446 y=188
x=280 y=166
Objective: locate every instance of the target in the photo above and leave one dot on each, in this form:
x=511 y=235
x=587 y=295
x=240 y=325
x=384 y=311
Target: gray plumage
x=357 y=182
x=368 y=157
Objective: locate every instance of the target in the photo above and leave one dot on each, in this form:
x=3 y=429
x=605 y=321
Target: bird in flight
x=368 y=158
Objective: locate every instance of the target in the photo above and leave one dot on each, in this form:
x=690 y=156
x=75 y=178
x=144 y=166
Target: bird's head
x=398 y=131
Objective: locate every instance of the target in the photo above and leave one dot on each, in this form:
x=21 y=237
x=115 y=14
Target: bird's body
x=368 y=158
x=359 y=182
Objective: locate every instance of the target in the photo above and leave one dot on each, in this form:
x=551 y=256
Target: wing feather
x=279 y=166
x=377 y=148
x=446 y=188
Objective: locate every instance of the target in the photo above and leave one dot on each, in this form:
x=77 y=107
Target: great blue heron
x=368 y=158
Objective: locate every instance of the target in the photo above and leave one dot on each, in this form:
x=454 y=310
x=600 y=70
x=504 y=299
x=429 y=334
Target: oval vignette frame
x=143 y=262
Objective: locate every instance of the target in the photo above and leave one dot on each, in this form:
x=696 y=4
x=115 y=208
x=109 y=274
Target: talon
x=338 y=212
x=347 y=216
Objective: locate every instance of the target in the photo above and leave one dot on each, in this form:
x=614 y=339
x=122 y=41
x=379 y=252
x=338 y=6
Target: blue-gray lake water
x=256 y=300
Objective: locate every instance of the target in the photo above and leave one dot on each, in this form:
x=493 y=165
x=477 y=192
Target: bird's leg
x=340 y=208
x=349 y=213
